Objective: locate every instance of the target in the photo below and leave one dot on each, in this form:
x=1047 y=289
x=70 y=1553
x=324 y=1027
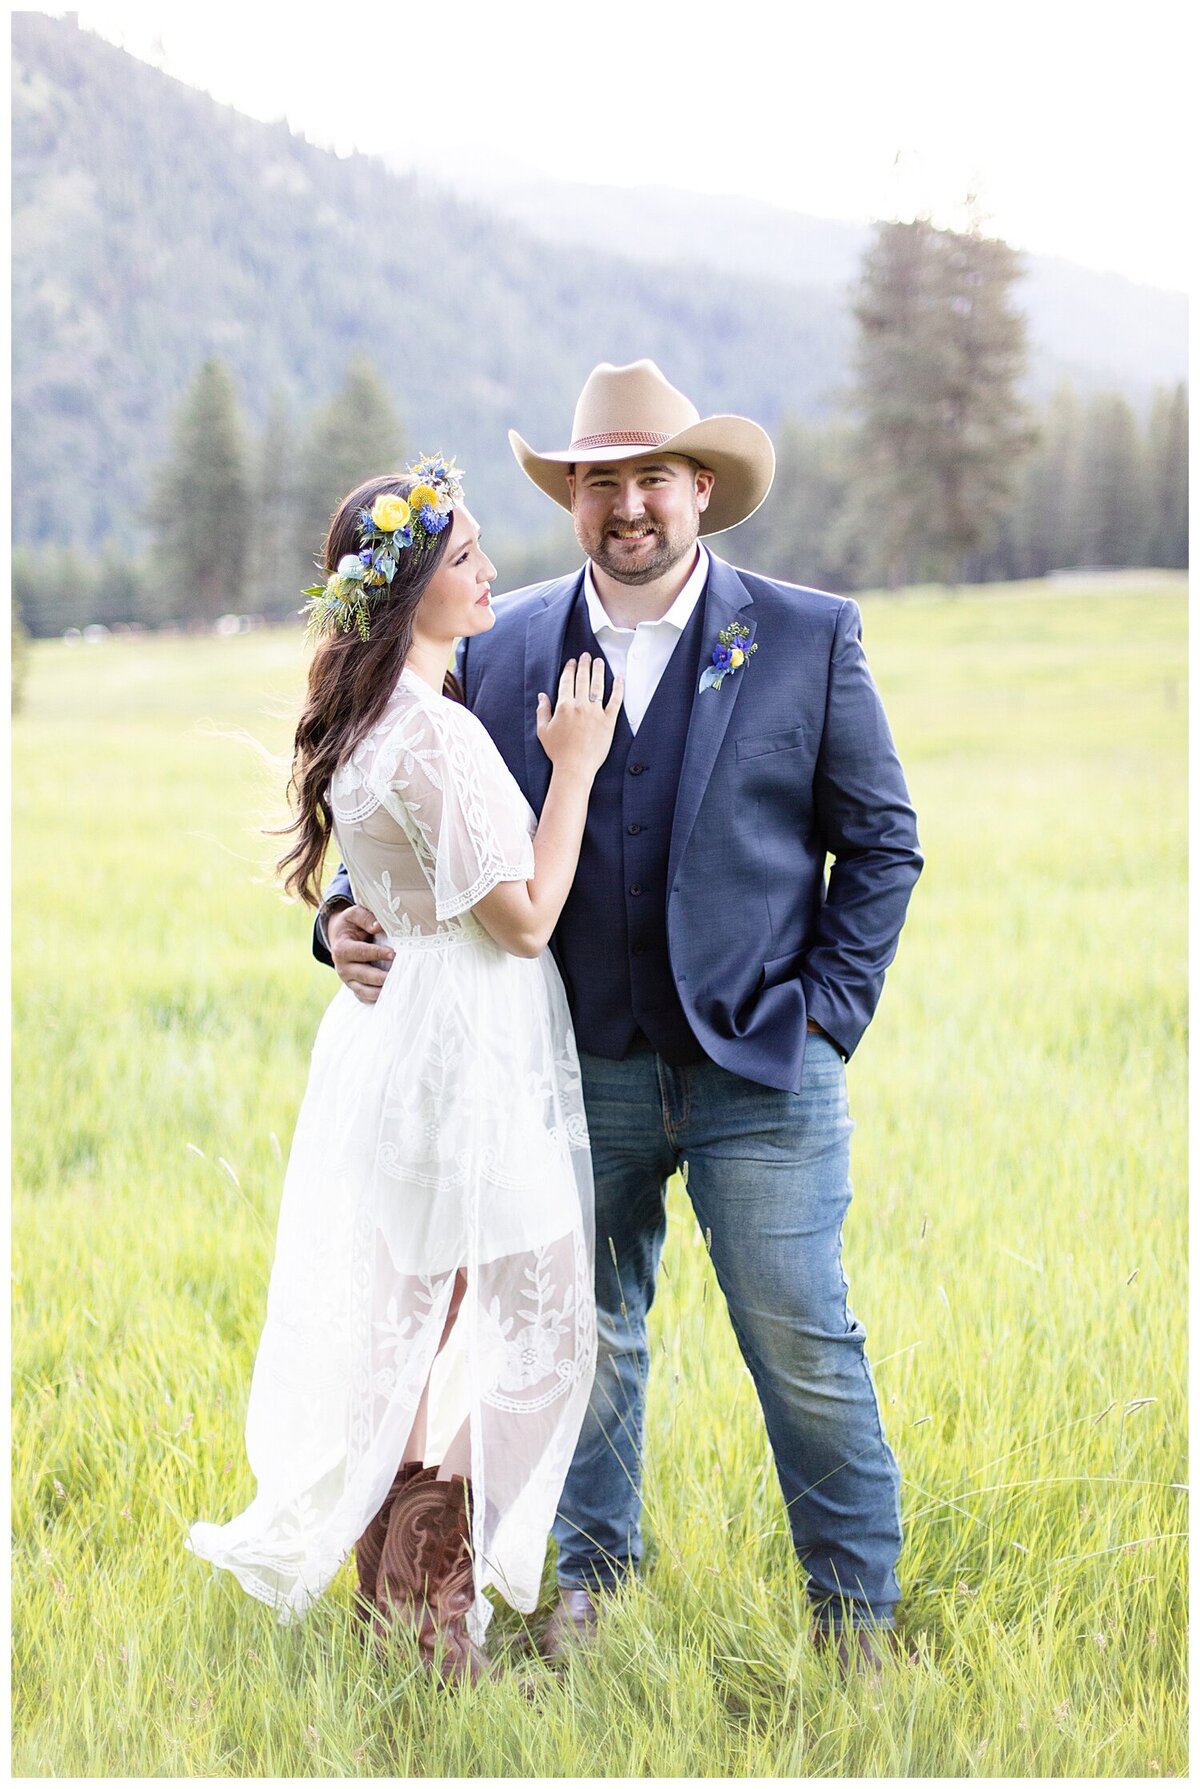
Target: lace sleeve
x=452 y=792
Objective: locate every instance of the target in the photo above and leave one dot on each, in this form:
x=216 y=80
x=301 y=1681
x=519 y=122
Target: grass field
x=1016 y=1249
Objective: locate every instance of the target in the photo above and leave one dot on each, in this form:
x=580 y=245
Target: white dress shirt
x=641 y=654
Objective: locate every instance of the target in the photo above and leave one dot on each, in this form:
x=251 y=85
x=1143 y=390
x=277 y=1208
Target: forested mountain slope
x=154 y=228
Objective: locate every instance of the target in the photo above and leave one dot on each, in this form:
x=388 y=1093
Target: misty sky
x=1067 y=119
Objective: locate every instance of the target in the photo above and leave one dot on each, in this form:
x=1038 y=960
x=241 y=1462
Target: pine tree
x=1167 y=478
x=201 y=511
x=897 y=377
x=1113 y=485
x=279 y=565
x=1047 y=520
x=941 y=351
x=356 y=434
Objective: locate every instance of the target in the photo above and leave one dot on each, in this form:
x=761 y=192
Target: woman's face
x=458 y=600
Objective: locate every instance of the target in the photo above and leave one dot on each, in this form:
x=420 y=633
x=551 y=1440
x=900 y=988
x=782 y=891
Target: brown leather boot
x=425 y=1584
x=368 y=1549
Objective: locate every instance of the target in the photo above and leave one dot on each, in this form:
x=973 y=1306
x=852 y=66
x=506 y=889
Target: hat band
x=621 y=438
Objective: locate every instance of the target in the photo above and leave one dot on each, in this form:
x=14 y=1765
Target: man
x=716 y=983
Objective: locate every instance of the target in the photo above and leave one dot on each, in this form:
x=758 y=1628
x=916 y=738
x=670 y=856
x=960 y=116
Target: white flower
x=528 y=1356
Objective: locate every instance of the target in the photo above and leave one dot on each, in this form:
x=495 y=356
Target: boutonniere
x=734 y=645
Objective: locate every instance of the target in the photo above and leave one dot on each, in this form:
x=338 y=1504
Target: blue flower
x=366 y=555
x=733 y=649
x=442 y=475
x=430 y=520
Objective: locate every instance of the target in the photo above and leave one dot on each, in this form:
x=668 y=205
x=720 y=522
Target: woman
x=430 y=1335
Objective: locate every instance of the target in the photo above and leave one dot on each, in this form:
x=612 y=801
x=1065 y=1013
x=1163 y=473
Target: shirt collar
x=677 y=616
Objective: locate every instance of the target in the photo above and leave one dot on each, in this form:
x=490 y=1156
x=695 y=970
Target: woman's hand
x=522 y=915
x=577 y=736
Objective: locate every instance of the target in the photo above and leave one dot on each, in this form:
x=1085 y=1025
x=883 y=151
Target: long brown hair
x=349 y=682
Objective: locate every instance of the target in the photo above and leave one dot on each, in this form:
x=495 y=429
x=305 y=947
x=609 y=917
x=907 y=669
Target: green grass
x=1016 y=1247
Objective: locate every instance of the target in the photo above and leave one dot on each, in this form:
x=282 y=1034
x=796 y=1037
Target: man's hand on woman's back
x=361 y=958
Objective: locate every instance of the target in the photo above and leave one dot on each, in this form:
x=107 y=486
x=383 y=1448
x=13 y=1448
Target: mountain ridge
x=766 y=241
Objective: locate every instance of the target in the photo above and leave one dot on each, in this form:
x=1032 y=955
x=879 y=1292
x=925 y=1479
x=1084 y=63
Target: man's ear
x=705 y=480
x=571 y=485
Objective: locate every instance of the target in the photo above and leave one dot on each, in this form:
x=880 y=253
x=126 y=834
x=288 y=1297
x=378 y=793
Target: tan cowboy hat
x=626 y=412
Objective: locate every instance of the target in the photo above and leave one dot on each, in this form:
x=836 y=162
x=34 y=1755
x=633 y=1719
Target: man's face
x=637 y=518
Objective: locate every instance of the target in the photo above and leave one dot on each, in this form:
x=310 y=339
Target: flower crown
x=387 y=529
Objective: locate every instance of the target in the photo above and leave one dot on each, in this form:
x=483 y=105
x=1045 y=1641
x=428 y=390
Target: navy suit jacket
x=788 y=765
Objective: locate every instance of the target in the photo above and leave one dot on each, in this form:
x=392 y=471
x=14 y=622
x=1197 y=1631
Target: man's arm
x=867 y=824
x=338 y=894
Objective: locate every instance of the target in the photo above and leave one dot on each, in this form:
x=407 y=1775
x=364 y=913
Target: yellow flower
x=389 y=513
x=421 y=495
x=374 y=578
x=737 y=657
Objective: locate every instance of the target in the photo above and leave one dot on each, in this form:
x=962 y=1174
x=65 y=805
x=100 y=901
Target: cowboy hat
x=627 y=412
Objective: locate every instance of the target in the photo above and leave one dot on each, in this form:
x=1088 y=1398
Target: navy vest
x=611 y=939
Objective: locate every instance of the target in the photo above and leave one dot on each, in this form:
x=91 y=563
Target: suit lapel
x=725 y=600
x=544 y=637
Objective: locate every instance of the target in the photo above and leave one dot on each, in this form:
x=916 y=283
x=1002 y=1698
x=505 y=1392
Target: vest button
x=639 y=950
x=634 y=828
x=636 y=769
x=635 y=888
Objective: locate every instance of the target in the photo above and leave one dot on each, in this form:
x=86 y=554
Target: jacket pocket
x=759 y=744
x=777 y=970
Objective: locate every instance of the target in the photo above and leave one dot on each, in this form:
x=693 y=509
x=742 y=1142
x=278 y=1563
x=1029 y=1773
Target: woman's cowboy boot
x=425 y=1583
x=369 y=1547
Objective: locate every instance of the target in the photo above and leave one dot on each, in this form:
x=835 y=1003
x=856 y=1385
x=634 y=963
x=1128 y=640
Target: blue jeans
x=768 y=1174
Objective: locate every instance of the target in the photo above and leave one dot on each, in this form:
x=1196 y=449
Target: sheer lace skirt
x=442 y=1130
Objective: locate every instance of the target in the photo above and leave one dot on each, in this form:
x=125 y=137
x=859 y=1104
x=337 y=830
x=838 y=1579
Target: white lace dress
x=443 y=1128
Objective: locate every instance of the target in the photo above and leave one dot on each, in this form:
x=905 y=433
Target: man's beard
x=668 y=549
